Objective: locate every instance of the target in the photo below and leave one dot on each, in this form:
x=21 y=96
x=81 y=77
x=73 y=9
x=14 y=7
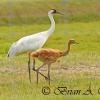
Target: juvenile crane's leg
x=41 y=75
x=37 y=77
x=34 y=69
x=49 y=72
x=37 y=70
x=41 y=66
x=29 y=69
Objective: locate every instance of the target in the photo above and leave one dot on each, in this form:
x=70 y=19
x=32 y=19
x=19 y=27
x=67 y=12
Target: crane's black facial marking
x=54 y=11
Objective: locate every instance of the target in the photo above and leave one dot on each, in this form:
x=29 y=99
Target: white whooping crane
x=32 y=42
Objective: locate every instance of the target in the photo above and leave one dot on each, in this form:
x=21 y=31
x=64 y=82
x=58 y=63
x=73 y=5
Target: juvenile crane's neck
x=67 y=51
x=52 y=27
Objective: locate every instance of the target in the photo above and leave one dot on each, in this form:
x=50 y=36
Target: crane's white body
x=32 y=42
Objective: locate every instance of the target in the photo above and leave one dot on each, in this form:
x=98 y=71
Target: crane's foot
x=46 y=78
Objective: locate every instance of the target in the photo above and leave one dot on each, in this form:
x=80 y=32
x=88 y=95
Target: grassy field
x=75 y=71
x=22 y=12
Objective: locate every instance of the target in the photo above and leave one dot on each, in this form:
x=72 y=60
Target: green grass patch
x=23 y=12
x=75 y=71
x=14 y=83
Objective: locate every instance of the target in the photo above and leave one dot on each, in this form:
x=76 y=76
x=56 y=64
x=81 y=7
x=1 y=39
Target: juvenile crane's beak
x=76 y=43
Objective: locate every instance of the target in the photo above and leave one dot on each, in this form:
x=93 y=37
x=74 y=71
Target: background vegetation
x=81 y=21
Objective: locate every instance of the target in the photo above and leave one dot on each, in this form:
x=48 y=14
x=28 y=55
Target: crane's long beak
x=58 y=12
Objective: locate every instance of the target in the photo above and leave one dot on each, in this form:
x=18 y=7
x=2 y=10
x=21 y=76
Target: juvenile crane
x=32 y=42
x=49 y=56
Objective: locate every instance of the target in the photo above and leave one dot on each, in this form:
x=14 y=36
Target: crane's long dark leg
x=34 y=64
x=29 y=69
x=49 y=72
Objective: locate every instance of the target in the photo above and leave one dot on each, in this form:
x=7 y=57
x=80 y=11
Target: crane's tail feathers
x=12 y=51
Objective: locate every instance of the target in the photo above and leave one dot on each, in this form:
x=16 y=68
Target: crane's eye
x=54 y=11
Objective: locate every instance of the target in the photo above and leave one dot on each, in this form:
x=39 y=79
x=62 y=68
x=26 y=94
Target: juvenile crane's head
x=54 y=11
x=72 y=41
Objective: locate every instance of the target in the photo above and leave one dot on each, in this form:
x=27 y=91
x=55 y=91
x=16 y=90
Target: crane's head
x=54 y=11
x=72 y=41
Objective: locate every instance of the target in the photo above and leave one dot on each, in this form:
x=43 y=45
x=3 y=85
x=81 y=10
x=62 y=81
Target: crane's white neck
x=52 y=27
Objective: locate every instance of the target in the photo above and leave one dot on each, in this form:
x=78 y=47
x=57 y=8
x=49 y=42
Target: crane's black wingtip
x=8 y=55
